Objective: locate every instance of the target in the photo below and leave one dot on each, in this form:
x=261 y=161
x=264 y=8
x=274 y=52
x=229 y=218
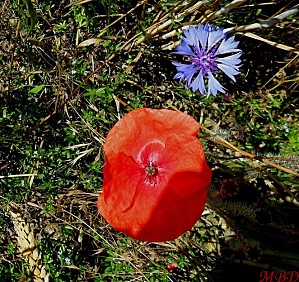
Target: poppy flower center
x=151 y=169
x=149 y=159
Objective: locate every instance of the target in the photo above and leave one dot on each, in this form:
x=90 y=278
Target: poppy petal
x=147 y=124
x=122 y=171
x=188 y=165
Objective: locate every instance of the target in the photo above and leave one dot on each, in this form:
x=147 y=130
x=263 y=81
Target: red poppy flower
x=155 y=175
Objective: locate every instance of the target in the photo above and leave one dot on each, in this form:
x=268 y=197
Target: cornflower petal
x=229 y=71
x=214 y=37
x=228 y=46
x=198 y=84
x=179 y=75
x=191 y=36
x=184 y=49
x=232 y=60
x=186 y=72
x=214 y=85
x=209 y=28
x=203 y=36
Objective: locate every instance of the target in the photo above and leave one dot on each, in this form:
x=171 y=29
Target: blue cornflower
x=208 y=51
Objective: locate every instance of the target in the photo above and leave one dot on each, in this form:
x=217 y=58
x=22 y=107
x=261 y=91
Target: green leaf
x=37 y=89
x=32 y=14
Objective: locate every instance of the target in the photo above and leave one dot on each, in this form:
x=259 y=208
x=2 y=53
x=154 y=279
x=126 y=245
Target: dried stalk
x=28 y=246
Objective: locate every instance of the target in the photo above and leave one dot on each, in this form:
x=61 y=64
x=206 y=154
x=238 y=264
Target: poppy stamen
x=151 y=169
